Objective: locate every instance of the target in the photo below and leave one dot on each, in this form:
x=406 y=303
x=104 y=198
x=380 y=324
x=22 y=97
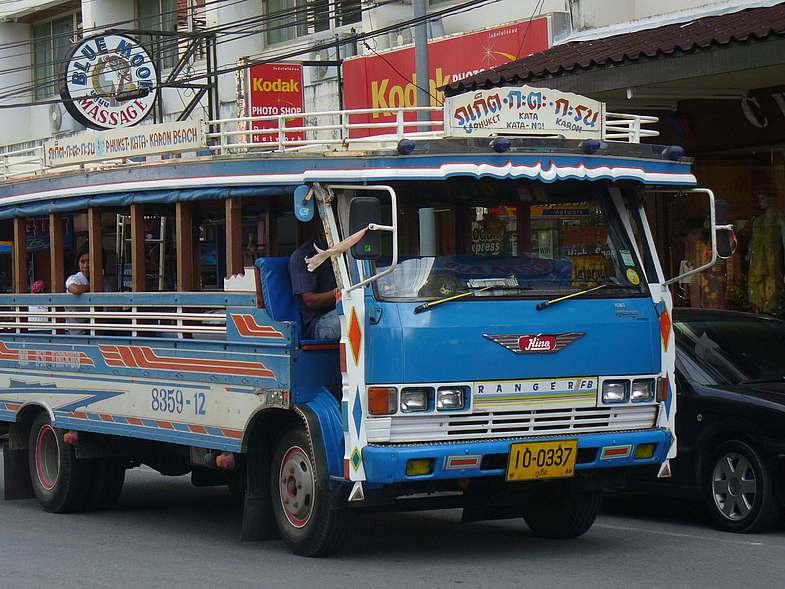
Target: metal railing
x=22 y=162
x=332 y=130
x=627 y=128
x=329 y=128
x=184 y=315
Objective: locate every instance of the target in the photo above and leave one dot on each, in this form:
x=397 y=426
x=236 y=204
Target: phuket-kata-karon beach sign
x=523 y=110
x=109 y=81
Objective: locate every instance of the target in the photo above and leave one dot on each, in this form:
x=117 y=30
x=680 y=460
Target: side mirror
x=364 y=210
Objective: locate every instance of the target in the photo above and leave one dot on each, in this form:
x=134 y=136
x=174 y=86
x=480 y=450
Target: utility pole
x=421 y=61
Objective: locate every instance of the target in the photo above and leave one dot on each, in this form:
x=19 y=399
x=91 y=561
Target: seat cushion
x=277 y=289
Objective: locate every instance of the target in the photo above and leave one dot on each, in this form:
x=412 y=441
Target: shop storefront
x=717 y=88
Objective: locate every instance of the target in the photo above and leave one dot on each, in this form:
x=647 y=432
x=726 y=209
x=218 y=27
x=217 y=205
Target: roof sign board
x=92 y=146
x=109 y=82
x=523 y=110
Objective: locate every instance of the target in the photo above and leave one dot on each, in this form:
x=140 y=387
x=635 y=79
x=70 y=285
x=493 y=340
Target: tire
x=106 y=483
x=301 y=498
x=739 y=488
x=562 y=511
x=60 y=481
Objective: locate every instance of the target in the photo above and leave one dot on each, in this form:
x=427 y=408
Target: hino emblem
x=541 y=343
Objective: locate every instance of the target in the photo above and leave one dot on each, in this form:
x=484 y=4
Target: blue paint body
x=388 y=464
x=447 y=343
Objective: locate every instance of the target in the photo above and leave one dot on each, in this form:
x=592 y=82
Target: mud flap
x=16 y=472
x=258 y=522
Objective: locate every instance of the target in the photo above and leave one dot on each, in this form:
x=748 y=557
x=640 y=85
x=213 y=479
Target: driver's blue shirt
x=321 y=280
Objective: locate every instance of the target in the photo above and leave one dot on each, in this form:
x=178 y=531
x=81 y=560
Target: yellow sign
x=633 y=277
x=542 y=460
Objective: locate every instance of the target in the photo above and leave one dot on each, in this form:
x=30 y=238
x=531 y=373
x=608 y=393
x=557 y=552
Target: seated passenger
x=315 y=291
x=79 y=283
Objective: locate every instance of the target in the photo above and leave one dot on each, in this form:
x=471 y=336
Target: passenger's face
x=84 y=265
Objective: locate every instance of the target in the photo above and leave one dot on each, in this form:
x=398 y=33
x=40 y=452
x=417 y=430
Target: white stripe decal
x=547 y=173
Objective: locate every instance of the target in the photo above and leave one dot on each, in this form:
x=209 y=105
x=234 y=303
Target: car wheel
x=301 y=498
x=739 y=487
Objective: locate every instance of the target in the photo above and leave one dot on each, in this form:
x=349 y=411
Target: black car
x=730 y=420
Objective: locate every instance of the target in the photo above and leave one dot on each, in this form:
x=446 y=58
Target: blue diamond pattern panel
x=357 y=412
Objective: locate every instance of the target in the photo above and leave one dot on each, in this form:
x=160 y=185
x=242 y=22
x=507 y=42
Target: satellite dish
x=55 y=117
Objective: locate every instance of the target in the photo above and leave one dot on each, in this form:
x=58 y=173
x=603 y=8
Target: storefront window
x=158 y=15
x=290 y=19
x=51 y=41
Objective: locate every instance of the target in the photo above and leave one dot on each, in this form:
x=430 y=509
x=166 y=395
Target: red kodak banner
x=388 y=80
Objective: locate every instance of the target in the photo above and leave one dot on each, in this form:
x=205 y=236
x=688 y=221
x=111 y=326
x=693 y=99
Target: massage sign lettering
x=110 y=82
x=276 y=91
x=523 y=110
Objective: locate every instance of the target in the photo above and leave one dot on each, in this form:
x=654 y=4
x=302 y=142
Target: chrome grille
x=500 y=424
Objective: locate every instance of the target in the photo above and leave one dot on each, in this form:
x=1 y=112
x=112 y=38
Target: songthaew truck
x=506 y=344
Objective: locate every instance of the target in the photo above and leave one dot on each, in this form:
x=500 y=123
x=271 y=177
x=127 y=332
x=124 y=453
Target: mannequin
x=767 y=259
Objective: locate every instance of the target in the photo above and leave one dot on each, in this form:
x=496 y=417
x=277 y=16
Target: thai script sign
x=92 y=146
x=523 y=110
x=276 y=89
x=110 y=82
x=388 y=80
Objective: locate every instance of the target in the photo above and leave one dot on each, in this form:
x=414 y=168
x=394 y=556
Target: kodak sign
x=275 y=91
x=388 y=81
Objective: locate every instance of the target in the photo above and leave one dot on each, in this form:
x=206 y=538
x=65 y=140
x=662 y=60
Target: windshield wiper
x=470 y=293
x=546 y=304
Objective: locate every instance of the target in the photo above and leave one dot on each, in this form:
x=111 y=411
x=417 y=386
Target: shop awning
x=739 y=50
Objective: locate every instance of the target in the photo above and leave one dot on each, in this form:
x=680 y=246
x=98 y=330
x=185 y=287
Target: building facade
x=35 y=35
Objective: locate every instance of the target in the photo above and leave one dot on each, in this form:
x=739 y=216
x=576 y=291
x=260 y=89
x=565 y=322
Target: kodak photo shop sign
x=275 y=90
x=109 y=82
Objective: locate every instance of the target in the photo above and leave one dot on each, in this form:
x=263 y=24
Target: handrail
x=328 y=130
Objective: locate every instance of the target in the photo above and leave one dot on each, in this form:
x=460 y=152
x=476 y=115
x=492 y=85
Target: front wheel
x=740 y=490
x=60 y=481
x=300 y=497
x=562 y=510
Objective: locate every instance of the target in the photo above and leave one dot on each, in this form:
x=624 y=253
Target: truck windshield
x=510 y=239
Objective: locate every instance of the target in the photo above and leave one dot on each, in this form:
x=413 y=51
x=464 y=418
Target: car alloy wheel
x=734 y=486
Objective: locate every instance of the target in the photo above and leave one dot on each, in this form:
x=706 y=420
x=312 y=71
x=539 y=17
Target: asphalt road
x=167 y=533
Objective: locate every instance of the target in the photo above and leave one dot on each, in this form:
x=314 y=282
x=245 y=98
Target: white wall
x=15 y=72
x=105 y=13
x=588 y=14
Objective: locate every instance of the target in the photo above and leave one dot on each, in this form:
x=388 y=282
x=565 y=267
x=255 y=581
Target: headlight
x=642 y=390
x=451 y=398
x=615 y=391
x=415 y=399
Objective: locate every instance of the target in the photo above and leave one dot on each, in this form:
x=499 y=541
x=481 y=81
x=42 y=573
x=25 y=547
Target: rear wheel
x=562 y=510
x=300 y=497
x=60 y=481
x=740 y=489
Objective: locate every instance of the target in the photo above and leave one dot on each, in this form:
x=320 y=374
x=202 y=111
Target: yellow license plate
x=542 y=460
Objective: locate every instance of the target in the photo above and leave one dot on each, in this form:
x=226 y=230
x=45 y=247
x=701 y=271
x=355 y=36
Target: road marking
x=683 y=535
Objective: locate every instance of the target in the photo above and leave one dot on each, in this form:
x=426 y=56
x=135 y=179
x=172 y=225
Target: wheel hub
x=296 y=484
x=734 y=486
x=47 y=457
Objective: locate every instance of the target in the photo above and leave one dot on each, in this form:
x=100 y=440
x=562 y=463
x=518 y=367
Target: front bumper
x=387 y=463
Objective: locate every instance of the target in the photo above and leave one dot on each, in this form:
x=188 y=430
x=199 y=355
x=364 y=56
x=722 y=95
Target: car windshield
x=508 y=239
x=731 y=351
